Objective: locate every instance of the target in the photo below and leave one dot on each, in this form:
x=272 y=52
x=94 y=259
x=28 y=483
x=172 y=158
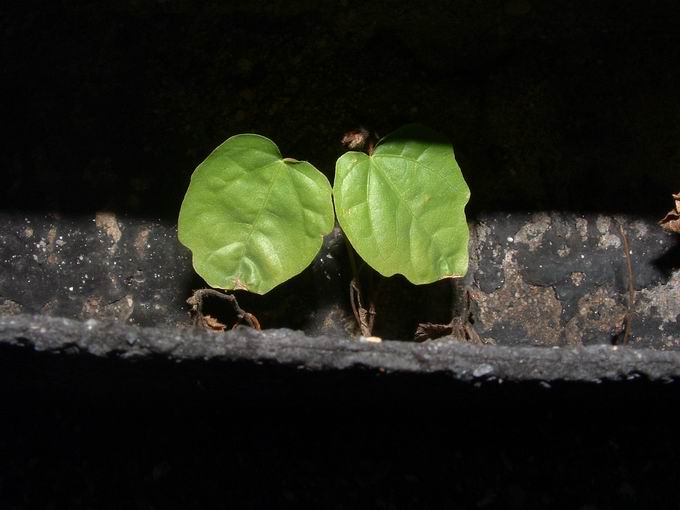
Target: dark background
x=549 y=105
x=92 y=433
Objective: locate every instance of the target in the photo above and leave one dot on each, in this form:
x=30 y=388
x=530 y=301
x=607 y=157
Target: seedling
x=253 y=219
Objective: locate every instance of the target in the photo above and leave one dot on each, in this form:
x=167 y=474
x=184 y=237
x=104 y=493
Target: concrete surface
x=455 y=358
x=543 y=279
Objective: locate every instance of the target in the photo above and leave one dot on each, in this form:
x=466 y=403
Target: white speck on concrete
x=370 y=339
x=482 y=370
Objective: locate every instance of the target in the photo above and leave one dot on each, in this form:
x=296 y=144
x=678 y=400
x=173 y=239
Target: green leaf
x=403 y=207
x=251 y=218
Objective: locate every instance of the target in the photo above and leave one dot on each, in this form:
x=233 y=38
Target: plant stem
x=361 y=139
x=360 y=315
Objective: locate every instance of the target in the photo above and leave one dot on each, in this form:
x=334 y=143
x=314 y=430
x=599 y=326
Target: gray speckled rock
x=96 y=267
x=563 y=280
x=458 y=359
x=135 y=271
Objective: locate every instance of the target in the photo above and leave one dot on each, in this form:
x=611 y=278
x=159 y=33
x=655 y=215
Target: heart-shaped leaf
x=403 y=207
x=251 y=218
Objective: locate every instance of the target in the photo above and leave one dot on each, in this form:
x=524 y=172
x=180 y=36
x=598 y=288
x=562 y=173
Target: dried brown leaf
x=429 y=331
x=212 y=323
x=671 y=221
x=457 y=328
x=356 y=139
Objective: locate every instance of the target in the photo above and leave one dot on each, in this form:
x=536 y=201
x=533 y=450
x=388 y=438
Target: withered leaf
x=671 y=221
x=212 y=323
x=430 y=331
x=457 y=328
x=356 y=139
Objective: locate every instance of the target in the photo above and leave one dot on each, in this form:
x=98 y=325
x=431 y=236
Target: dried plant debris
x=460 y=328
x=457 y=328
x=209 y=322
x=430 y=331
x=671 y=221
x=355 y=140
x=365 y=317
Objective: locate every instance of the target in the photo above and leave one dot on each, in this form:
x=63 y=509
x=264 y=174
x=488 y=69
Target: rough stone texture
x=98 y=267
x=459 y=359
x=562 y=279
x=543 y=279
x=135 y=271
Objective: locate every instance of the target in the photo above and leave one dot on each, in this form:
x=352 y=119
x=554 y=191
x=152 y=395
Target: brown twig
x=196 y=302
x=363 y=317
x=628 y=317
x=373 y=300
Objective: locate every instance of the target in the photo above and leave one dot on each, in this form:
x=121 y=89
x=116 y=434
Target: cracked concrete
x=459 y=360
x=537 y=280
x=561 y=279
x=535 y=309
